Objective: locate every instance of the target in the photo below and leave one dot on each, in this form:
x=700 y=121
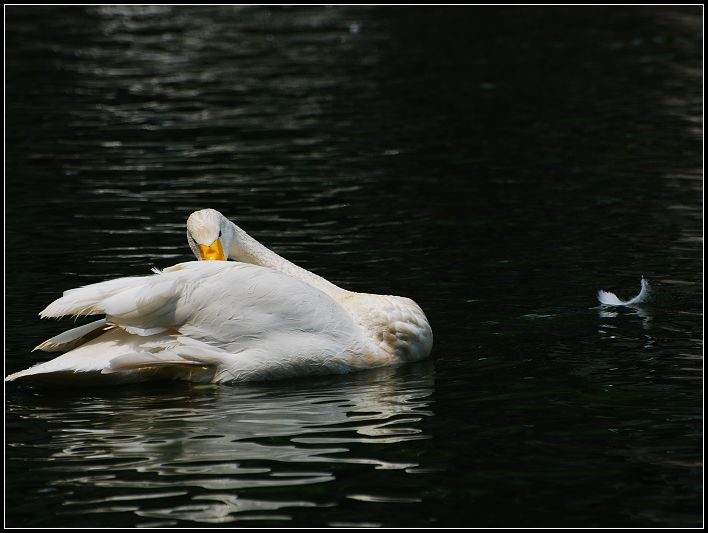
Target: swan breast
x=396 y=327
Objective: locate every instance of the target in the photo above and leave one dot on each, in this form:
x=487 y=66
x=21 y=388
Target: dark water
x=498 y=165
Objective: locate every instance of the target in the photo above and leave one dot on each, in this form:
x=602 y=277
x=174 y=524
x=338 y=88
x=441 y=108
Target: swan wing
x=89 y=359
x=238 y=320
x=74 y=337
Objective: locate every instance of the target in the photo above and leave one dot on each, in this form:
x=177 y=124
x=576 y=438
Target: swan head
x=209 y=233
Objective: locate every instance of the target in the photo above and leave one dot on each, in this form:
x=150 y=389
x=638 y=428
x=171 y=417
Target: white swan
x=258 y=317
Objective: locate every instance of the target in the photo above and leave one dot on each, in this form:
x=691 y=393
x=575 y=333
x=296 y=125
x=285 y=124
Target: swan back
x=218 y=300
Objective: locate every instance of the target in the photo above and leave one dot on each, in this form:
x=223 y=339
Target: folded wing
x=196 y=321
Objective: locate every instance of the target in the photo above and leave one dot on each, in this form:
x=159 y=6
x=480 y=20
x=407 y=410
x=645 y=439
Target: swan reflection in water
x=203 y=448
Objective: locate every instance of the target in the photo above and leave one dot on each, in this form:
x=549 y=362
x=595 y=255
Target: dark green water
x=498 y=165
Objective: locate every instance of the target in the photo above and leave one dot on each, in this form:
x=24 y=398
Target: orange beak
x=213 y=252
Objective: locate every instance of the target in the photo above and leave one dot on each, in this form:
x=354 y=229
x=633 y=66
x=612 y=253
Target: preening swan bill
x=258 y=317
x=610 y=298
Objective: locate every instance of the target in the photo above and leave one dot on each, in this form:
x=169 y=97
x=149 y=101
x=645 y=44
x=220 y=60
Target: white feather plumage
x=610 y=298
x=224 y=321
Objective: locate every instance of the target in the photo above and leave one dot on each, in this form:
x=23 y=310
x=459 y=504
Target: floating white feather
x=610 y=298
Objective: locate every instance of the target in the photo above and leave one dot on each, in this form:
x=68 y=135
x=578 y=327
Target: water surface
x=498 y=165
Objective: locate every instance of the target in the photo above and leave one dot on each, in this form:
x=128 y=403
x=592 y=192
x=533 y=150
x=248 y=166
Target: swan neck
x=248 y=250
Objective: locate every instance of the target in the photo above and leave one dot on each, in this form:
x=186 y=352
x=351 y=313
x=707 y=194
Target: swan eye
x=219 y=237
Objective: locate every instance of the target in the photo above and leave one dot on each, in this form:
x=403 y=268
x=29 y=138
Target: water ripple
x=226 y=439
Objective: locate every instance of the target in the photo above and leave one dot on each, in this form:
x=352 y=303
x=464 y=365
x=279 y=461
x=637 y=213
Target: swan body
x=217 y=321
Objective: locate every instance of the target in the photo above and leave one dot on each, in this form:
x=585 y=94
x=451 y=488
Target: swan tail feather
x=143 y=332
x=144 y=360
x=121 y=357
x=23 y=373
x=141 y=306
x=75 y=337
x=126 y=367
x=610 y=298
x=60 y=366
x=89 y=300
